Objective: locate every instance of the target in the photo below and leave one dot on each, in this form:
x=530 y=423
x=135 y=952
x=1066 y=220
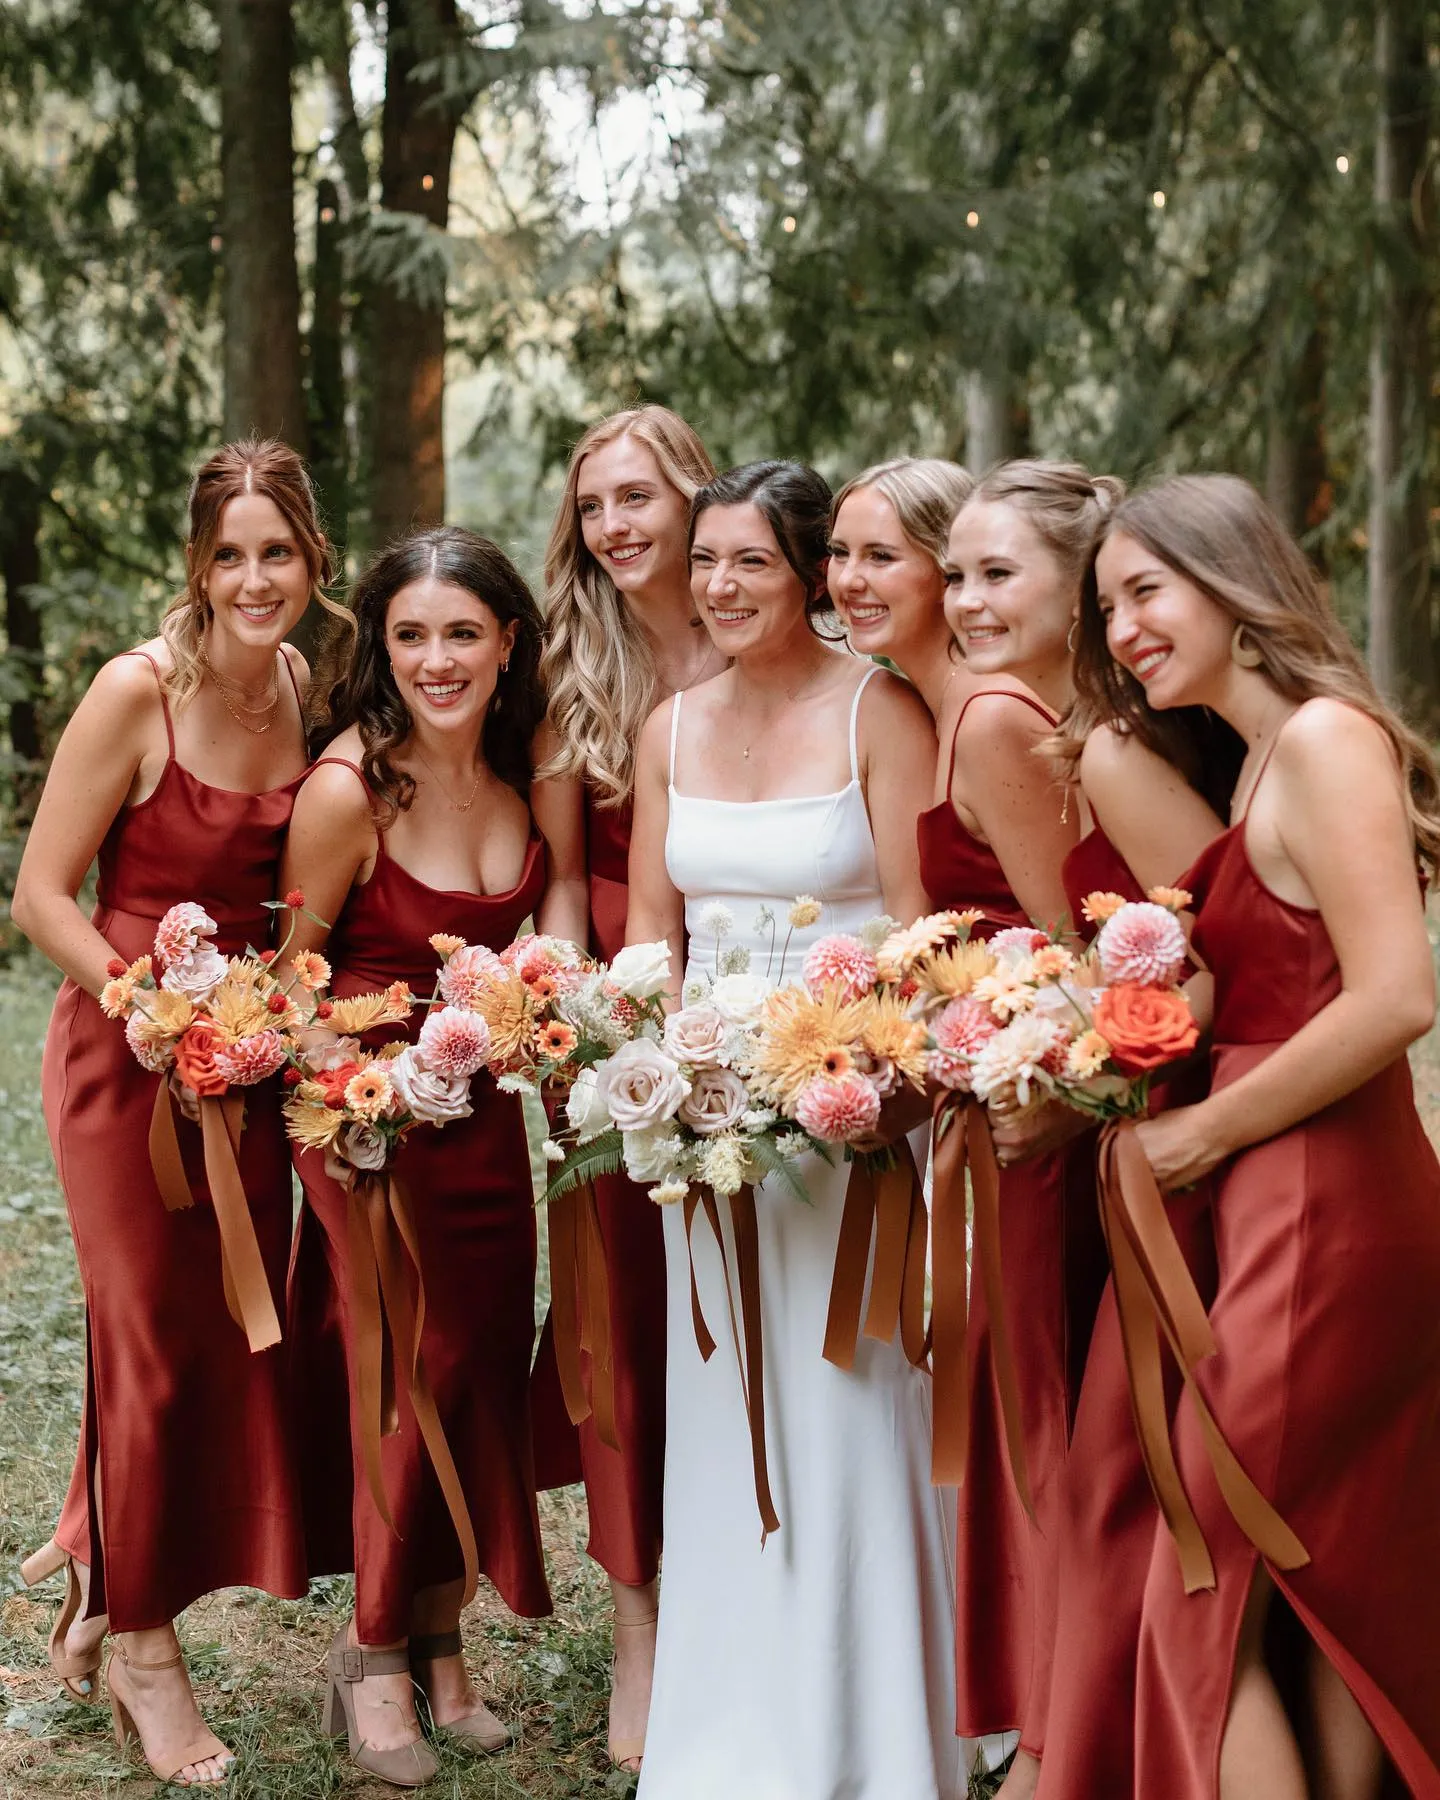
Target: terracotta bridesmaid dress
x=622 y=1487
x=1053 y=1270
x=184 y=1454
x=1108 y=1523
x=1327 y=1375
x=474 y=1213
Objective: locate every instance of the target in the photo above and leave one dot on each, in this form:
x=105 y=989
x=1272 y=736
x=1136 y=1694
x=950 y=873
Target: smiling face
x=1167 y=632
x=745 y=591
x=447 y=648
x=885 y=586
x=257 y=584
x=1008 y=597
x=632 y=519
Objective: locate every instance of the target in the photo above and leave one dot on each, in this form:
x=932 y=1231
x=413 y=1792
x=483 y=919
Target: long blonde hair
x=1218 y=533
x=597 y=665
x=926 y=492
x=249 y=466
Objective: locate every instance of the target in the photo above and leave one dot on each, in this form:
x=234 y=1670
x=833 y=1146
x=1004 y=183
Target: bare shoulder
x=1110 y=756
x=333 y=785
x=299 y=668
x=653 y=750
x=890 y=704
x=1001 y=724
x=125 y=693
x=1324 y=730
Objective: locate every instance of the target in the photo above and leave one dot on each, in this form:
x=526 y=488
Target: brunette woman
x=624 y=634
x=416 y=821
x=1327 y=1193
x=179 y=770
x=889 y=530
x=997 y=840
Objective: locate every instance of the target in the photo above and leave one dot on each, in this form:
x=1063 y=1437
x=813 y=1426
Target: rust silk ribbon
x=247 y=1287
x=745 y=1323
x=387 y=1302
x=580 y=1310
x=888 y=1206
x=963 y=1141
x=1155 y=1295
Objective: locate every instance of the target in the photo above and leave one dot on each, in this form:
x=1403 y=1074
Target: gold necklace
x=223 y=684
x=460 y=806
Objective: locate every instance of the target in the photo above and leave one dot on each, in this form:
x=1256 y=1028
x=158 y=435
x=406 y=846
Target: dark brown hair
x=795 y=500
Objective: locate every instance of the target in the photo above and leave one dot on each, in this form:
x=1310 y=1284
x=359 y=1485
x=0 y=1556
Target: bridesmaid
x=1327 y=1192
x=179 y=770
x=889 y=529
x=624 y=635
x=416 y=821
x=997 y=839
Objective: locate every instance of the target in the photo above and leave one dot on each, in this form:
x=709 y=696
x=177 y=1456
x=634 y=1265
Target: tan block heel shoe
x=407 y=1765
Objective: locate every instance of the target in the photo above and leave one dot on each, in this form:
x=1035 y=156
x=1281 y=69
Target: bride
x=821 y=1665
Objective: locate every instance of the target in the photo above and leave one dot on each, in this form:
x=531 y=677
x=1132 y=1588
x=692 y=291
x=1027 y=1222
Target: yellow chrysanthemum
x=1174 y=899
x=1101 y=905
x=889 y=1034
x=312 y=1126
x=505 y=1008
x=239 y=1005
x=797 y=1032
x=898 y=955
x=363 y=1012
x=952 y=973
x=445 y=943
x=164 y=1016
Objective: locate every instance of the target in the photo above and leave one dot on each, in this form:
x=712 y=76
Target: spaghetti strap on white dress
x=821 y=1666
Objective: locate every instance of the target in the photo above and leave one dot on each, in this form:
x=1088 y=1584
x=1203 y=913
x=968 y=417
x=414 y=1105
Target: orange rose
x=195 y=1059
x=1145 y=1027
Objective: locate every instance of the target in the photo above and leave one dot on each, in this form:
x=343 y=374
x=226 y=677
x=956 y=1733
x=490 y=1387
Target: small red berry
x=115 y=967
x=267 y=956
x=295 y=898
x=324 y=1010
x=292 y=1078
x=278 y=1003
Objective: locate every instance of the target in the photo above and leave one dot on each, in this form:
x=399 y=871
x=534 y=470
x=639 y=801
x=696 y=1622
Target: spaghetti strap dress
x=1052 y=1258
x=474 y=1214
x=184 y=1479
x=622 y=1486
x=1326 y=1376
x=1108 y=1523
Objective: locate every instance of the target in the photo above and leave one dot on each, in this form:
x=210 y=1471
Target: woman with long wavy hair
x=1326 y=1337
x=179 y=771
x=623 y=634
x=416 y=820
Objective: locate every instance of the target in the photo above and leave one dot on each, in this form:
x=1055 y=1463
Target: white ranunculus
x=716 y=1101
x=437 y=1099
x=642 y=970
x=363 y=1147
x=196 y=976
x=739 y=998
x=651 y=1155
x=586 y=1112
x=695 y=1036
x=640 y=1085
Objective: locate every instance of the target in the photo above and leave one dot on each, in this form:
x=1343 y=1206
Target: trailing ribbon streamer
x=962 y=1140
x=888 y=1204
x=247 y=1286
x=580 y=1310
x=745 y=1323
x=387 y=1289
x=1155 y=1293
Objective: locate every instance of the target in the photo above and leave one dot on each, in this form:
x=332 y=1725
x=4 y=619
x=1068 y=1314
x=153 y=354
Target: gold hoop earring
x=1072 y=636
x=1242 y=652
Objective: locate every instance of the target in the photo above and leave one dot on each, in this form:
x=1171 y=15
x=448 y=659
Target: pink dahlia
x=454 y=1042
x=838 y=1108
x=1017 y=940
x=467 y=974
x=251 y=1059
x=840 y=962
x=156 y=1057
x=512 y=952
x=959 y=1032
x=1143 y=943
x=178 y=934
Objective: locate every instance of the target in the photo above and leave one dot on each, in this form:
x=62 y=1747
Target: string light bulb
x=1157 y=199
x=427 y=182
x=788 y=222
x=972 y=219
x=1342 y=163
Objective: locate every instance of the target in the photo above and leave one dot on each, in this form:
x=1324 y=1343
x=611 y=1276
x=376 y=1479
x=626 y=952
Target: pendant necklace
x=460 y=806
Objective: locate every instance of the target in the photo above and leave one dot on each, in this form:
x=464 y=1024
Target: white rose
x=739 y=998
x=196 y=976
x=642 y=970
x=640 y=1085
x=437 y=1099
x=586 y=1111
x=1067 y=1003
x=695 y=1036
x=717 y=1101
x=363 y=1147
x=651 y=1155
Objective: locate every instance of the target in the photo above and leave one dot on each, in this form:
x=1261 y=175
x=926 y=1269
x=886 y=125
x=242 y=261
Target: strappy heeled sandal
x=625 y=1750
x=406 y=1765
x=478 y=1730
x=74 y=1671
x=202 y=1749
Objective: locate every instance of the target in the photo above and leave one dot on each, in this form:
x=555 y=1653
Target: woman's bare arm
x=657 y=909
x=558 y=806
x=331 y=844
x=897 y=762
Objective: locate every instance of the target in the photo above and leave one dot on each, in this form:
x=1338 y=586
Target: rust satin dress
x=1327 y=1378
x=1109 y=1519
x=474 y=1212
x=1053 y=1268
x=622 y=1488
x=184 y=1446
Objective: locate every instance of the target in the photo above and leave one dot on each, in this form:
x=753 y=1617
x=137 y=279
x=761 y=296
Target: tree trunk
x=1297 y=482
x=329 y=441
x=20 y=568
x=997 y=420
x=1402 y=636
x=263 y=392
x=407 y=449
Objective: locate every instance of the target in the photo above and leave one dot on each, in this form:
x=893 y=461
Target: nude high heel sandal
x=407 y=1765
x=76 y=1673
x=201 y=1749
x=479 y=1730
x=626 y=1750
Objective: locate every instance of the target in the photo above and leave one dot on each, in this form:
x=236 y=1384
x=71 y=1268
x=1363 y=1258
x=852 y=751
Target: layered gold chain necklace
x=236 y=709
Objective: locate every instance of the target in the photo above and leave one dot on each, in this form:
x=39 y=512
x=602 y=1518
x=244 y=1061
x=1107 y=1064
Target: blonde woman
x=889 y=529
x=623 y=634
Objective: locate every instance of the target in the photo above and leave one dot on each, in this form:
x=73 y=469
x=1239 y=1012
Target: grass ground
x=256 y=1662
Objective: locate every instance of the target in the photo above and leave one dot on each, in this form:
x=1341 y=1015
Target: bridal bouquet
x=540 y=998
